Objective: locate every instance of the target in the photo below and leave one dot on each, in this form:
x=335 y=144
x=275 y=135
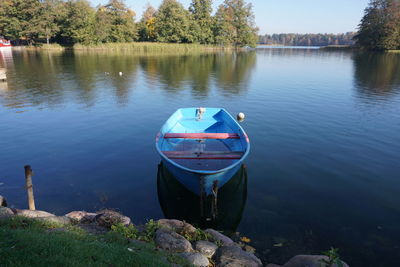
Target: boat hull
x=177 y=202
x=200 y=182
x=202 y=147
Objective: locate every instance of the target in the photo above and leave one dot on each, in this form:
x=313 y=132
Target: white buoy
x=120 y=73
x=199 y=112
x=240 y=116
x=3 y=76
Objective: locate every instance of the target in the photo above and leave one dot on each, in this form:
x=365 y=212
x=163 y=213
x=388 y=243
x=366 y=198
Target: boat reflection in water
x=222 y=213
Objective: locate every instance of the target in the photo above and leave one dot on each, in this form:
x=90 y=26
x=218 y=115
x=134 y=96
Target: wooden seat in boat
x=202 y=135
x=203 y=155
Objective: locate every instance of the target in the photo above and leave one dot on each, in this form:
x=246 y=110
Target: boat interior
x=202 y=140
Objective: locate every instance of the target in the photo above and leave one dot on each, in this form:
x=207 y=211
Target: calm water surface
x=324 y=126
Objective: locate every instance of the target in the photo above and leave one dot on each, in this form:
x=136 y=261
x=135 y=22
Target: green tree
x=103 y=21
x=18 y=19
x=392 y=26
x=146 y=24
x=224 y=28
x=235 y=24
x=78 y=26
x=51 y=15
x=371 y=28
x=115 y=23
x=201 y=15
x=380 y=27
x=172 y=23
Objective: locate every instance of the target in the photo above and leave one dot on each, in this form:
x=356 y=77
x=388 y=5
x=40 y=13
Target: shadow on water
x=177 y=202
x=377 y=74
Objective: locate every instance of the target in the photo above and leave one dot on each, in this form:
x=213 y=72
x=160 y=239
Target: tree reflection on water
x=49 y=77
x=377 y=74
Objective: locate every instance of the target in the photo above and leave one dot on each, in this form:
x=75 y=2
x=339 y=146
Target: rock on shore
x=108 y=218
x=176 y=226
x=234 y=256
x=82 y=216
x=171 y=241
x=172 y=236
x=206 y=248
x=197 y=259
x=5 y=213
x=33 y=213
x=226 y=241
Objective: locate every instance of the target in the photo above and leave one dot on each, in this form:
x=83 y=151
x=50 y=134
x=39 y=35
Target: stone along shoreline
x=195 y=246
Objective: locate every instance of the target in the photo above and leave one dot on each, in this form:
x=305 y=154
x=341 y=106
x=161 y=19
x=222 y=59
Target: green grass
x=25 y=242
x=197 y=235
x=338 y=47
x=141 y=48
x=52 y=46
x=152 y=48
x=146 y=47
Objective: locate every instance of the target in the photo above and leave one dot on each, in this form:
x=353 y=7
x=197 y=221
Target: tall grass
x=338 y=47
x=52 y=46
x=146 y=47
x=139 y=48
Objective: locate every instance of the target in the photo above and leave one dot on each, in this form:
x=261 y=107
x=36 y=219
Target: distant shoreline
x=332 y=47
x=155 y=47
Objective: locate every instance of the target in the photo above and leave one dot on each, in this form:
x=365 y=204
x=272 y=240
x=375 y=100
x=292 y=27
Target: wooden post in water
x=29 y=187
x=214 y=204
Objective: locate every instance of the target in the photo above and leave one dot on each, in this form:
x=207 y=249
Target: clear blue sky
x=289 y=16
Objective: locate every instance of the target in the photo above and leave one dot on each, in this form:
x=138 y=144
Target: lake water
x=324 y=167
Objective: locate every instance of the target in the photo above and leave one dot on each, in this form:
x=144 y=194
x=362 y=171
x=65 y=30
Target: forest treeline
x=295 y=39
x=75 y=21
x=380 y=27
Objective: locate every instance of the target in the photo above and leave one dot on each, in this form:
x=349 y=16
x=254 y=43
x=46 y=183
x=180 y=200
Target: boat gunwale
x=246 y=152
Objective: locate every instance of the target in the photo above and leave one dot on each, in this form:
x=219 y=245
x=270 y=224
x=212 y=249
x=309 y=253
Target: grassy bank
x=338 y=47
x=27 y=242
x=141 y=47
x=148 y=47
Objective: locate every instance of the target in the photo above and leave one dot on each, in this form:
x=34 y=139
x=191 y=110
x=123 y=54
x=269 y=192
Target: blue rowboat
x=202 y=147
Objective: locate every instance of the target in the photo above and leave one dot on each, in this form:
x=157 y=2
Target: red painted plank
x=203 y=155
x=202 y=135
